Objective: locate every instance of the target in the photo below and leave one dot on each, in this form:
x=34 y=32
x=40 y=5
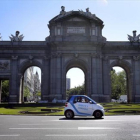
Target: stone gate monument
x=75 y=40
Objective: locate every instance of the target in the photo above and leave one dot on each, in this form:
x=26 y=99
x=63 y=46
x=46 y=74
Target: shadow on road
x=79 y=118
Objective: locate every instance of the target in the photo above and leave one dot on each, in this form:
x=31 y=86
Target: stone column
x=94 y=78
x=63 y=86
x=59 y=77
x=106 y=80
x=45 y=80
x=100 y=79
x=88 y=79
x=14 y=93
x=20 y=81
x=52 y=78
x=95 y=95
x=0 y=89
x=136 y=74
x=97 y=79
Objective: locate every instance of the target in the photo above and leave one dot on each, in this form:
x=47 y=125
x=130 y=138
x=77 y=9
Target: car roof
x=79 y=95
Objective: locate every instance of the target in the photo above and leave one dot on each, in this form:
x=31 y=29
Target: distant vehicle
x=122 y=99
x=113 y=100
x=82 y=105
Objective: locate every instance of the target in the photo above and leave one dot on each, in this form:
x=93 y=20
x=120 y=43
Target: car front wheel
x=69 y=114
x=98 y=114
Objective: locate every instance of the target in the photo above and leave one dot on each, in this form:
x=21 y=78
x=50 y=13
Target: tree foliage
x=5 y=90
x=118 y=84
x=80 y=90
x=26 y=92
x=38 y=94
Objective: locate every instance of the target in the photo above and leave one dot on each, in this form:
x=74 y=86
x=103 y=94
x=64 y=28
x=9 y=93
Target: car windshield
x=92 y=100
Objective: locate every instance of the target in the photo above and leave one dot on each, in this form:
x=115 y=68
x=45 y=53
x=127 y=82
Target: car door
x=82 y=106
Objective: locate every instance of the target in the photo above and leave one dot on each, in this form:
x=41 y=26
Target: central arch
x=81 y=64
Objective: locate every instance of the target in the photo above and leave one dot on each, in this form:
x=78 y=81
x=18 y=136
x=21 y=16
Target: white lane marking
x=95 y=128
x=9 y=135
x=109 y=120
x=100 y=123
x=83 y=120
x=37 y=124
x=77 y=135
x=59 y=121
x=39 y=128
x=135 y=135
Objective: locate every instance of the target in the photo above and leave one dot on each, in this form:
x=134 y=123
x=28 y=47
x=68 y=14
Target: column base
x=137 y=98
x=51 y=97
x=101 y=98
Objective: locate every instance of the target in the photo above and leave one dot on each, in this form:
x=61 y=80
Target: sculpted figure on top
x=134 y=38
x=62 y=10
x=16 y=37
x=64 y=13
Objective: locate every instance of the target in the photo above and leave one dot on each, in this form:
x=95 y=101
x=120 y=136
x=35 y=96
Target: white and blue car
x=82 y=105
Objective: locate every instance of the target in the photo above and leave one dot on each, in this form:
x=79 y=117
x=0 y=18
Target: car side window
x=87 y=100
x=77 y=99
x=81 y=100
x=84 y=100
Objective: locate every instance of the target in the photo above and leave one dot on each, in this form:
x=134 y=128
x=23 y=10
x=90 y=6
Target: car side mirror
x=90 y=102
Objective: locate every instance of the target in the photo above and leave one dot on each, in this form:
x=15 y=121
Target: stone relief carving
x=4 y=65
x=105 y=57
x=46 y=57
x=17 y=37
x=94 y=54
x=22 y=60
x=76 y=55
x=52 y=55
x=14 y=57
x=134 y=38
x=129 y=61
x=31 y=58
x=136 y=58
x=111 y=61
x=120 y=57
x=97 y=55
x=101 y=56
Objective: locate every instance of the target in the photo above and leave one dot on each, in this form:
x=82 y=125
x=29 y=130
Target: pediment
x=76 y=19
x=76 y=16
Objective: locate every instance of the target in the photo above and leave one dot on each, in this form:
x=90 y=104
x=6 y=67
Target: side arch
x=129 y=77
x=26 y=64
x=22 y=68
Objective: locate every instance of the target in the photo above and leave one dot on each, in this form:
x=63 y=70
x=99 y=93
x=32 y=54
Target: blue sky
x=31 y=17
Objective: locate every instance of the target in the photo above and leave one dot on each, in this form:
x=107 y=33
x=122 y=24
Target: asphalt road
x=59 y=128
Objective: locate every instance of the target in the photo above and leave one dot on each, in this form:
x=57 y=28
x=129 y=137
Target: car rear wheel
x=98 y=114
x=69 y=114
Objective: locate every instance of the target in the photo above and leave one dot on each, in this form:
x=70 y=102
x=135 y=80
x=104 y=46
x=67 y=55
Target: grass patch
x=121 y=109
x=31 y=111
x=110 y=109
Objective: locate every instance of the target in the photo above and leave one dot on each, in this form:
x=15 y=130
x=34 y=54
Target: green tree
x=118 y=81
x=5 y=90
x=26 y=92
x=80 y=90
x=38 y=94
